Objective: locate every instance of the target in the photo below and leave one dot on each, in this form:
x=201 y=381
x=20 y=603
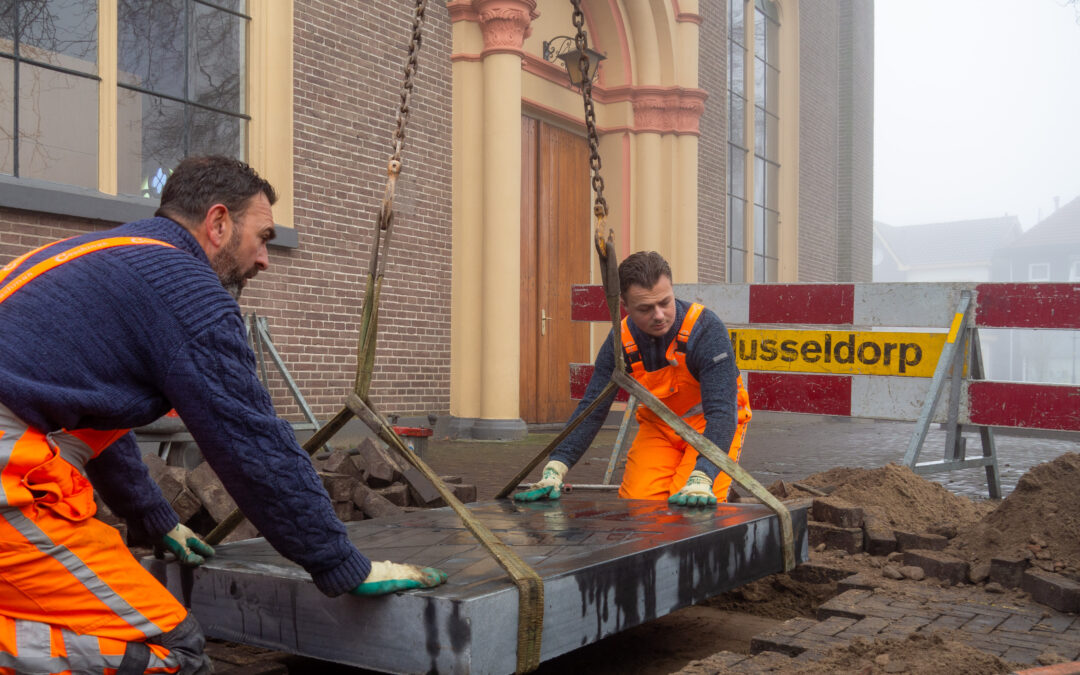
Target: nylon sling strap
x=530 y=585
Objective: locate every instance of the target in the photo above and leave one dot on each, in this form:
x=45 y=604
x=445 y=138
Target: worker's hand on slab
x=696 y=492
x=187 y=546
x=549 y=486
x=387 y=577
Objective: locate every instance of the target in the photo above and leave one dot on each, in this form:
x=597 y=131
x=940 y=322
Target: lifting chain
x=581 y=41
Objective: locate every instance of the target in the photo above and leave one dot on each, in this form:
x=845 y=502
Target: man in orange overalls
x=680 y=352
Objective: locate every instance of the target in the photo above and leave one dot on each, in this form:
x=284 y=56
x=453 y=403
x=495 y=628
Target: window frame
x=268 y=108
x=1031 y=271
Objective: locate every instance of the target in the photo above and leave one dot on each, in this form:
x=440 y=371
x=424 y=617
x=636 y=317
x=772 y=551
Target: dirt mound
x=919 y=654
x=899 y=497
x=777 y=597
x=1040 y=520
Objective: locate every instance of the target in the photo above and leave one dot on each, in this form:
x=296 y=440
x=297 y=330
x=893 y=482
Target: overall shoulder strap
x=67 y=256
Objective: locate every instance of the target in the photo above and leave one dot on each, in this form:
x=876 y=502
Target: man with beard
x=107 y=331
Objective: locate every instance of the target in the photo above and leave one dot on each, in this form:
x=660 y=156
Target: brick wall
x=712 y=145
x=349 y=61
x=818 y=141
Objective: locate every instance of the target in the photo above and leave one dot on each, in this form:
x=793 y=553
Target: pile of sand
x=919 y=654
x=898 y=496
x=1040 y=520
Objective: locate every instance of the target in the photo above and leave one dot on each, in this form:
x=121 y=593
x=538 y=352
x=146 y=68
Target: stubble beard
x=225 y=264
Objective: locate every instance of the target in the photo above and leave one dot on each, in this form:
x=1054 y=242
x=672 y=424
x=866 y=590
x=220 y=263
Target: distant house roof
x=1060 y=227
x=962 y=242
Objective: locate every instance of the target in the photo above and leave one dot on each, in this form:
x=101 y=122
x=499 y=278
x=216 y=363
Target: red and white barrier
x=868 y=311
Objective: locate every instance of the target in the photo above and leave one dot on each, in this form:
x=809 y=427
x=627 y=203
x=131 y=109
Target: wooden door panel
x=559 y=234
x=529 y=318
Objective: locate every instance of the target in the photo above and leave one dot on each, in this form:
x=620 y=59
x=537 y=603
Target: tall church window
x=753 y=141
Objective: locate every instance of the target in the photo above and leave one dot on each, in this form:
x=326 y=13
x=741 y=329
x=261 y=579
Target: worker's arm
x=213 y=385
x=567 y=453
x=124 y=484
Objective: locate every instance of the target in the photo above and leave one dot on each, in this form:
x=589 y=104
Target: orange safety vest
x=49 y=475
x=673 y=384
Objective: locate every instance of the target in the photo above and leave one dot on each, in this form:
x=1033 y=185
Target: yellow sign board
x=840 y=352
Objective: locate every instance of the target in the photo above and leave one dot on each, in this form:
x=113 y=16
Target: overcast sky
x=977 y=109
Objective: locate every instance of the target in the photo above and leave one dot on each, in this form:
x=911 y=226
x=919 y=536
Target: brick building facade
x=346 y=70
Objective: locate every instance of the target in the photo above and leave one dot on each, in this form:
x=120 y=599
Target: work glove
x=188 y=548
x=387 y=577
x=549 y=486
x=696 y=492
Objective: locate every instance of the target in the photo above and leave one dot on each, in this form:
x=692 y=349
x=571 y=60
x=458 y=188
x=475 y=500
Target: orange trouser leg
x=66 y=578
x=659 y=461
x=31 y=646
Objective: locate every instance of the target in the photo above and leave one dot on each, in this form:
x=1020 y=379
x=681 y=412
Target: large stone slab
x=608 y=564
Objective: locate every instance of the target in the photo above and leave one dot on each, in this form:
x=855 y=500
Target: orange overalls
x=72 y=597
x=659 y=461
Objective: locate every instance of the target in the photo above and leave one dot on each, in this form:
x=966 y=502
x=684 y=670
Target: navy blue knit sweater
x=708 y=357
x=117 y=337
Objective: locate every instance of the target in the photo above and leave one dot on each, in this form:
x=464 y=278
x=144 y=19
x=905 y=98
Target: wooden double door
x=556 y=247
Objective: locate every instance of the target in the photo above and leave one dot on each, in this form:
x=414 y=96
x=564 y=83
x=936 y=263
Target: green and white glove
x=696 y=492
x=187 y=546
x=549 y=486
x=387 y=577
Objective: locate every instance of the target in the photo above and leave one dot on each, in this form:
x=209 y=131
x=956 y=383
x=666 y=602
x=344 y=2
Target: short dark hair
x=644 y=269
x=197 y=183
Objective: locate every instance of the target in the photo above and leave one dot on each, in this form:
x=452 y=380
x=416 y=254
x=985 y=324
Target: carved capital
x=505 y=23
x=652 y=112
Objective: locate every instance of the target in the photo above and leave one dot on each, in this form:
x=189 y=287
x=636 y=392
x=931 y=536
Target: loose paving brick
x=1008 y=570
x=838 y=512
x=907 y=541
x=1052 y=590
x=848 y=539
x=938 y=565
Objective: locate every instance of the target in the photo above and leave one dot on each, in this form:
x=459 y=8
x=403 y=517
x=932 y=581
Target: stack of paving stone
x=837 y=524
x=363 y=482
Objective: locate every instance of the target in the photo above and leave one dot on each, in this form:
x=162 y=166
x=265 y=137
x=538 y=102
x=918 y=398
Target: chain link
x=407 y=83
x=600 y=208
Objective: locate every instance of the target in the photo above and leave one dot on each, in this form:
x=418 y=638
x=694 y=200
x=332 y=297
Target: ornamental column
x=504 y=25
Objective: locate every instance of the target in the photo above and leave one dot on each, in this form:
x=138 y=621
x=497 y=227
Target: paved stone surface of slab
x=608 y=564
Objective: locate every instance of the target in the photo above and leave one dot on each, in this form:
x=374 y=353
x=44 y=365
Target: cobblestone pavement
x=1018 y=634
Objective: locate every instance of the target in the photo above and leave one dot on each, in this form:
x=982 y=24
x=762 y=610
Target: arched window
x=753 y=141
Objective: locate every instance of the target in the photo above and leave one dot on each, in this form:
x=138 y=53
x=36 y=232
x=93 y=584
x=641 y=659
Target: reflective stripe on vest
x=61 y=258
x=95 y=440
